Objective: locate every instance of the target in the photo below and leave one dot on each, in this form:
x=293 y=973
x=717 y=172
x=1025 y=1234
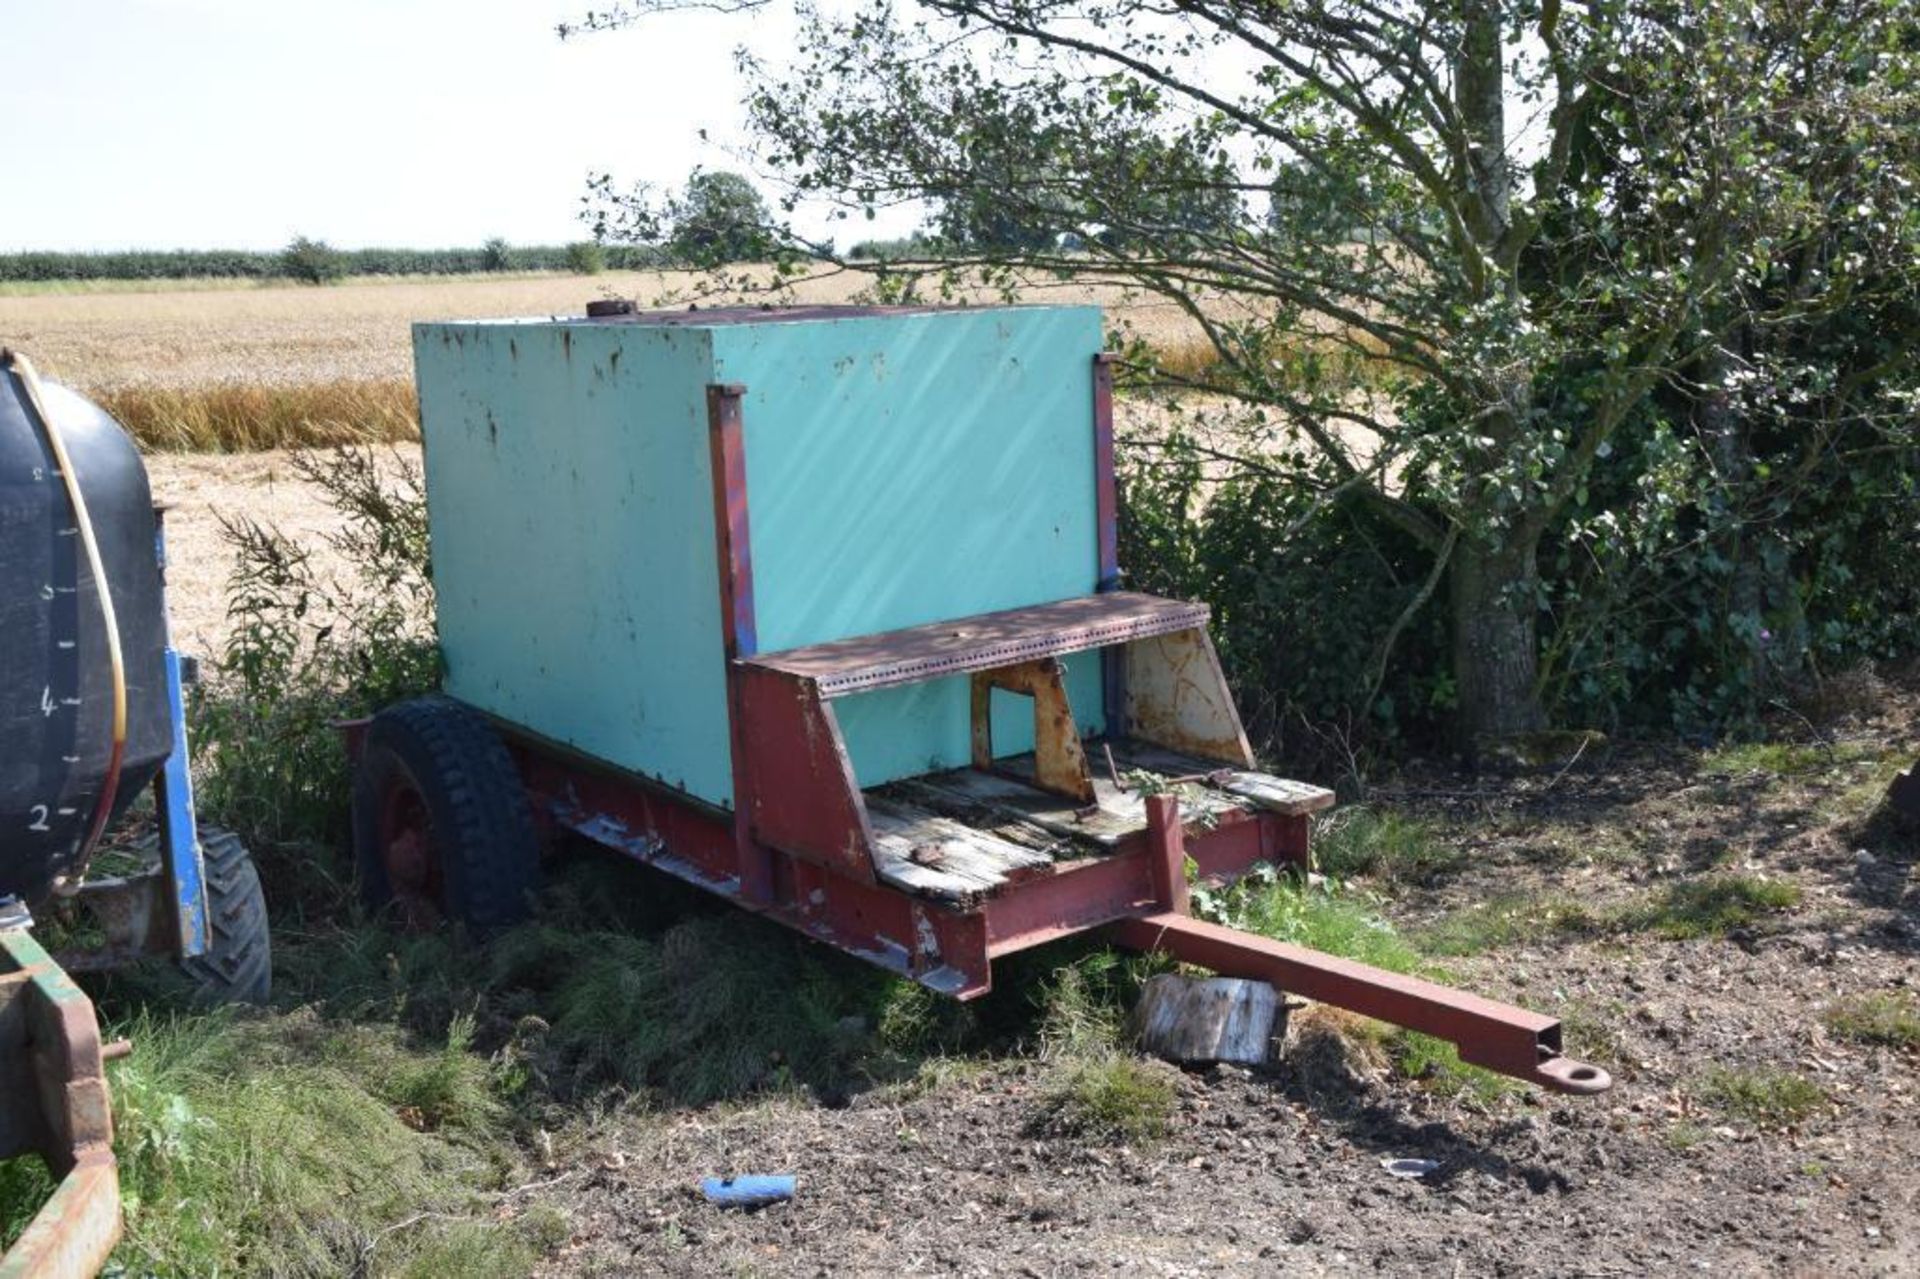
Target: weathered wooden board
x=1010 y=809
x=1277 y=794
x=997 y=797
x=934 y=856
x=1261 y=790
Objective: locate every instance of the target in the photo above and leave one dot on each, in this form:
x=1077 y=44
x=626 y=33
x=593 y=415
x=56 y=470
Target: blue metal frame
x=173 y=797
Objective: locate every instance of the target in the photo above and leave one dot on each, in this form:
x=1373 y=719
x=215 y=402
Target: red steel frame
x=792 y=780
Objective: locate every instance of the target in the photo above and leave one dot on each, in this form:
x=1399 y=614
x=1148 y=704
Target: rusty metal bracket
x=134 y=918
x=793 y=778
x=1500 y=1037
x=1059 y=760
x=1167 y=853
x=53 y=1103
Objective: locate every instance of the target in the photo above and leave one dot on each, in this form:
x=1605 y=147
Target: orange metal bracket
x=1059 y=760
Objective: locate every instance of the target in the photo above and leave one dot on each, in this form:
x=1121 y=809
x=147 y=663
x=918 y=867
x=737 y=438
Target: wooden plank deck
x=962 y=835
x=935 y=856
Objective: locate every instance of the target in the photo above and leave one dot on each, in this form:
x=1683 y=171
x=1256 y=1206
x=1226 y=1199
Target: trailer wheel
x=238 y=964
x=441 y=825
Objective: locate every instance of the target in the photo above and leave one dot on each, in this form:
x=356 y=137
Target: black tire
x=238 y=966
x=463 y=815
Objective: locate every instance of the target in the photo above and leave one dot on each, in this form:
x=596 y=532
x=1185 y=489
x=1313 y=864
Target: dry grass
x=229 y=417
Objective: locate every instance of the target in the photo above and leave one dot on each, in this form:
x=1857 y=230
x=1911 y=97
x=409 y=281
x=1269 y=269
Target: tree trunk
x=1762 y=585
x=1496 y=646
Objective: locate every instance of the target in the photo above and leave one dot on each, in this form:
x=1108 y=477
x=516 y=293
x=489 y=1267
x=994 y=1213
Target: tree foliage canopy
x=1451 y=258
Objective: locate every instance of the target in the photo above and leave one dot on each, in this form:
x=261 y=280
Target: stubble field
x=358 y=332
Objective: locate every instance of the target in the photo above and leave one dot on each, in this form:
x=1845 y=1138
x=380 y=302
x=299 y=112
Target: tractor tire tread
x=471 y=785
x=238 y=964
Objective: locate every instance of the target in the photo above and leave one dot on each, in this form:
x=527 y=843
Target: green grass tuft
x=1891 y=1018
x=1764 y=1098
x=1507 y=920
x=1710 y=907
x=268 y=1145
x=1095 y=1088
x=451 y=1089
x=1786 y=759
x=715 y=1006
x=1110 y=1097
x=1684 y=1136
x=1436 y=1063
x=1326 y=916
x=1362 y=840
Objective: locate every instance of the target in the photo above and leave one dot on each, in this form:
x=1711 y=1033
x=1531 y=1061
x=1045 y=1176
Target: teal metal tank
x=903 y=466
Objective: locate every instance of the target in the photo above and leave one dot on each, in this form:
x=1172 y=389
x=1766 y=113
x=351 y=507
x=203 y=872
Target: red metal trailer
x=933 y=876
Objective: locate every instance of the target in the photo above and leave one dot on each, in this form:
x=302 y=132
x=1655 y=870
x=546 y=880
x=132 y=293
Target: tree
x=1505 y=224
x=719 y=218
x=585 y=257
x=312 y=261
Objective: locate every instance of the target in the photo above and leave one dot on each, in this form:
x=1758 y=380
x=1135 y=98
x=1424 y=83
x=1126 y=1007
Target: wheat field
x=245 y=368
x=98 y=341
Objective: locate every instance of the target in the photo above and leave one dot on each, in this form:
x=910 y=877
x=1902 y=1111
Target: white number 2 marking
x=39 y=821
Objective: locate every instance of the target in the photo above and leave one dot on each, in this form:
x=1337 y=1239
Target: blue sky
x=240 y=123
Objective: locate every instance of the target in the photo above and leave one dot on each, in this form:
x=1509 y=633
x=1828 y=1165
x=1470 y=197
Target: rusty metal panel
x=1167 y=853
x=133 y=915
x=942 y=948
x=1177 y=697
x=983 y=641
x=733 y=541
x=55 y=1104
x=798 y=787
x=76 y=1229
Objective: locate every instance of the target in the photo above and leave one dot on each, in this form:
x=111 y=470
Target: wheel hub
x=411 y=855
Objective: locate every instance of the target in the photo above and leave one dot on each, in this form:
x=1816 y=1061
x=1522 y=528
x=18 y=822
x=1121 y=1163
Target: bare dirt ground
x=1280 y=1172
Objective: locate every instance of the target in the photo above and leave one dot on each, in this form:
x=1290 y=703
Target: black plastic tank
x=56 y=686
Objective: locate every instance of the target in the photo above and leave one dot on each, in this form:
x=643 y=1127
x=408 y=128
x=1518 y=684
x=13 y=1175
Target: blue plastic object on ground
x=747 y=1192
